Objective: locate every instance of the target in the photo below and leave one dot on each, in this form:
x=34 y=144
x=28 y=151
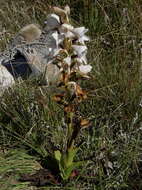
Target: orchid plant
x=69 y=54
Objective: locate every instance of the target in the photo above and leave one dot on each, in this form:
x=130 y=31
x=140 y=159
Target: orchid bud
x=67 y=9
x=71 y=87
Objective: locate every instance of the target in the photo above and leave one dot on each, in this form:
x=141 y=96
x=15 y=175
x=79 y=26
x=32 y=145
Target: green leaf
x=68 y=157
x=66 y=173
x=66 y=163
x=58 y=155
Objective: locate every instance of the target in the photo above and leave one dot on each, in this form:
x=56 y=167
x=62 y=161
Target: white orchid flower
x=80 y=34
x=56 y=39
x=67 y=9
x=69 y=35
x=83 y=39
x=52 y=22
x=85 y=68
x=81 y=53
x=82 y=59
x=80 y=31
x=79 y=50
x=66 y=27
x=71 y=32
x=65 y=30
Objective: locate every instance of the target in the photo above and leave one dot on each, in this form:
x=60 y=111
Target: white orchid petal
x=69 y=35
x=52 y=22
x=79 y=50
x=80 y=34
x=66 y=27
x=82 y=59
x=85 y=68
x=60 y=38
x=79 y=60
x=80 y=31
x=67 y=9
x=65 y=30
x=83 y=39
x=55 y=35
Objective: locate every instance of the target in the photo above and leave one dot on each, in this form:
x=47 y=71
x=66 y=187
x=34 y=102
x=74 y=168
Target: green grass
x=32 y=122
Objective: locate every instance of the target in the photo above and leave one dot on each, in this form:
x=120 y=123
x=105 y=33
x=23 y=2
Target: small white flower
x=67 y=9
x=65 y=30
x=66 y=27
x=80 y=34
x=80 y=31
x=85 y=68
x=79 y=50
x=71 y=32
x=52 y=22
x=56 y=39
x=83 y=39
x=69 y=35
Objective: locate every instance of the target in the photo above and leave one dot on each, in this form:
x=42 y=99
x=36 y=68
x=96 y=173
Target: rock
x=6 y=79
x=30 y=59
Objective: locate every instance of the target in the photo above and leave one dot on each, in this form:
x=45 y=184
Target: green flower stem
x=70 y=129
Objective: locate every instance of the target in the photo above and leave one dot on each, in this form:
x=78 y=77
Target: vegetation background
x=31 y=123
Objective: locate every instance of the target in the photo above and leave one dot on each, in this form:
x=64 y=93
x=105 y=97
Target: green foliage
x=66 y=162
x=14 y=163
